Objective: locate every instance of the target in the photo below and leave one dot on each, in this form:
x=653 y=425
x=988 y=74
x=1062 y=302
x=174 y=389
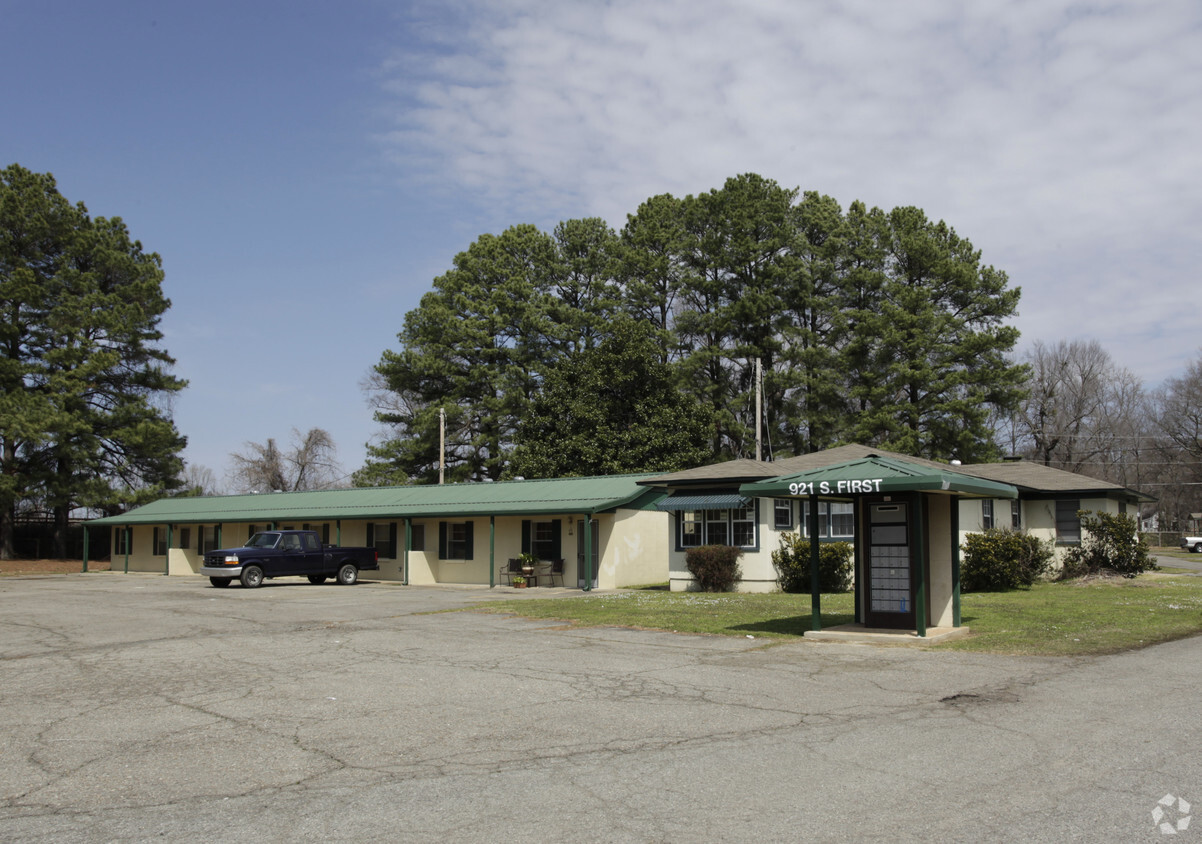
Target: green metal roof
x=717 y=501
x=504 y=498
x=876 y=474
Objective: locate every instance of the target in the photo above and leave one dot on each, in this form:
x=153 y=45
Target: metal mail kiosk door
x=890 y=599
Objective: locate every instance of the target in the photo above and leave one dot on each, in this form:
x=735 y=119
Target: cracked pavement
x=141 y=707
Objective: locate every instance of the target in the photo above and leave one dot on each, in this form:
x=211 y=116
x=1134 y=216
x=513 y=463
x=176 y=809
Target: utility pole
x=759 y=408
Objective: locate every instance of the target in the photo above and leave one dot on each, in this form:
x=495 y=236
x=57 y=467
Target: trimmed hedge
x=792 y=564
x=716 y=567
x=1001 y=559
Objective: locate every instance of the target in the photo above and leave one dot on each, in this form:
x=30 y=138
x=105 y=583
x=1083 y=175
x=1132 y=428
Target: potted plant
x=518 y=582
x=528 y=562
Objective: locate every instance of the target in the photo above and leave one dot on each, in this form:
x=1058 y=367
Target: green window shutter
x=468 y=554
x=371 y=535
x=392 y=540
x=442 y=540
x=556 y=540
x=526 y=528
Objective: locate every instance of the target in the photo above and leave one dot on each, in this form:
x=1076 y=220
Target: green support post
x=408 y=548
x=85 y=548
x=955 y=520
x=492 y=550
x=920 y=599
x=815 y=586
x=857 y=560
x=129 y=538
x=167 y=556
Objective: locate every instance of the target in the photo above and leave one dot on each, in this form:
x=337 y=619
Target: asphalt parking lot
x=141 y=707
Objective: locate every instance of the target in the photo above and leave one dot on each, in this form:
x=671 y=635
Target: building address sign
x=836 y=487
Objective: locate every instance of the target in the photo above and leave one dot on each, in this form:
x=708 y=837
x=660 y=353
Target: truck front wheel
x=317 y=579
x=220 y=582
x=348 y=575
x=252 y=577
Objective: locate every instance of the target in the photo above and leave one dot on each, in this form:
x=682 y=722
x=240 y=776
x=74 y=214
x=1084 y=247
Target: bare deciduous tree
x=309 y=463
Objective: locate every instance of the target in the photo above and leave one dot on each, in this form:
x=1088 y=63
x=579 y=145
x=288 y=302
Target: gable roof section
x=1037 y=478
x=876 y=474
x=1030 y=478
x=504 y=498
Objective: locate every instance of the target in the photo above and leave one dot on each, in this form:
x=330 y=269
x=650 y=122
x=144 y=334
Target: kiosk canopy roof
x=875 y=474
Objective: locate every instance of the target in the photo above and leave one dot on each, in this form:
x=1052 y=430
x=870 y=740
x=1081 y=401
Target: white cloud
x=1062 y=138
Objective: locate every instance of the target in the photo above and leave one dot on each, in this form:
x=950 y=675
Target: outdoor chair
x=511 y=568
x=556 y=571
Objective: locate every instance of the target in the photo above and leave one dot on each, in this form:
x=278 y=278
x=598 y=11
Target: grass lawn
x=1050 y=619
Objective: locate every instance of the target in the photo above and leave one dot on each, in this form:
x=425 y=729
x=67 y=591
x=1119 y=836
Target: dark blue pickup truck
x=287 y=553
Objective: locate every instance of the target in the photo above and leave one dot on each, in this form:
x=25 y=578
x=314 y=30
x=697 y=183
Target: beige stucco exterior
x=631 y=548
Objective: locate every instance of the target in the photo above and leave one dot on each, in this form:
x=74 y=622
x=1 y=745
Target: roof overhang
x=876 y=475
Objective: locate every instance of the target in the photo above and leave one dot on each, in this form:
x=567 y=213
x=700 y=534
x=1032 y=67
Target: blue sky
x=306 y=169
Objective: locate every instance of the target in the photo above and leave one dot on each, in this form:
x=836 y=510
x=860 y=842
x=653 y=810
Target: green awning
x=875 y=475
x=717 y=501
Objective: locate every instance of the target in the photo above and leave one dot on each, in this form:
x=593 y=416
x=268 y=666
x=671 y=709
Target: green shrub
x=1109 y=542
x=1002 y=558
x=716 y=567
x=792 y=564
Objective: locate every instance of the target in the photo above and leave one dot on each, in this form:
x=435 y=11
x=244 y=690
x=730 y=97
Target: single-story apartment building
x=906 y=517
x=606 y=529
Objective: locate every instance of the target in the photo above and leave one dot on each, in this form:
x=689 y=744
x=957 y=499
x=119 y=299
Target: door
x=596 y=554
x=890 y=598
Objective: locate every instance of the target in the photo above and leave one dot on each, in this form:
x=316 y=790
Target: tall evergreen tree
x=473 y=349
x=84 y=386
x=938 y=346
x=614 y=409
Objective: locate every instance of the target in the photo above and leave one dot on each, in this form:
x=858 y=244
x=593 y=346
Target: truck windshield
x=263 y=540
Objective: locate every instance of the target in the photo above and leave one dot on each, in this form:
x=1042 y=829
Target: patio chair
x=556 y=571
x=511 y=568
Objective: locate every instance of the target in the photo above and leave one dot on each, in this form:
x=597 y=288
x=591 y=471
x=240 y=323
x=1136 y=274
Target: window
x=690 y=529
x=120 y=540
x=782 y=514
x=312 y=542
x=417 y=537
x=323 y=529
x=743 y=521
x=1068 y=524
x=843 y=519
x=382 y=537
x=1016 y=514
x=823 y=518
x=160 y=542
x=717 y=527
x=208 y=539
x=986 y=513
x=455 y=540
x=185 y=537
x=717 y=530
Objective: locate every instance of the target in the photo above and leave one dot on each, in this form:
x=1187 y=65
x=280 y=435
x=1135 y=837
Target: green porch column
x=920 y=543
x=338 y=532
x=815 y=586
x=167 y=556
x=492 y=551
x=955 y=520
x=857 y=556
x=408 y=548
x=129 y=538
x=219 y=531
x=85 y=548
